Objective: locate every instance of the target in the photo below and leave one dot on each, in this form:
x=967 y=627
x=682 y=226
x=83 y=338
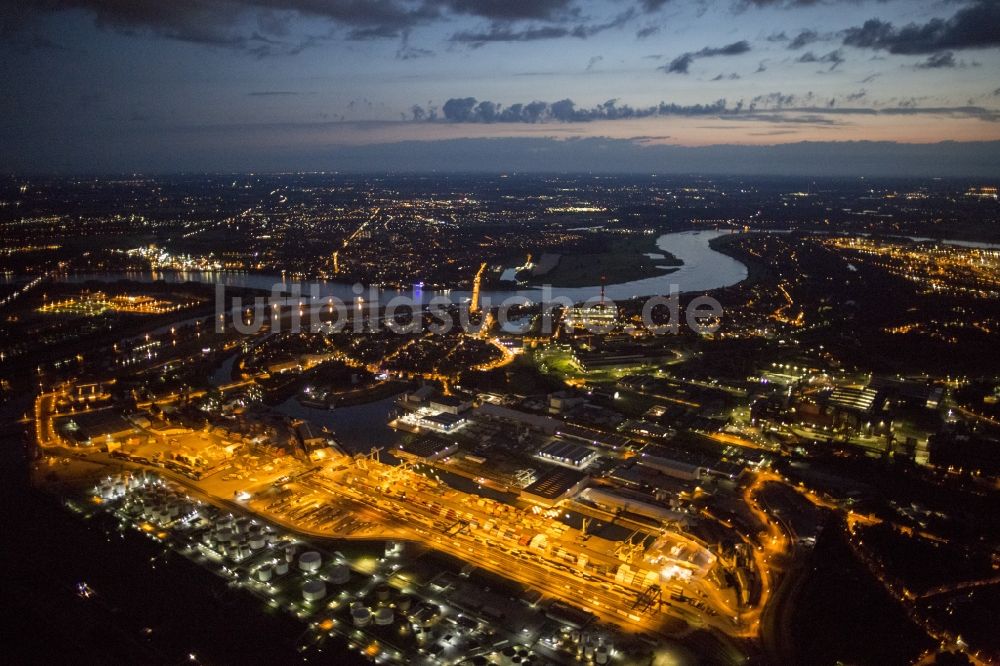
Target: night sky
x=115 y=85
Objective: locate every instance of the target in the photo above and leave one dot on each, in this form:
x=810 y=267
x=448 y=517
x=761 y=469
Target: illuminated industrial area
x=489 y=479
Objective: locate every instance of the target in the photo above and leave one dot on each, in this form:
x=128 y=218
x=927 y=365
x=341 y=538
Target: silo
x=360 y=615
x=340 y=574
x=310 y=561
x=313 y=590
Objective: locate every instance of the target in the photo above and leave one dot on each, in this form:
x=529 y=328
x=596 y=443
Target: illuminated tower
x=474 y=304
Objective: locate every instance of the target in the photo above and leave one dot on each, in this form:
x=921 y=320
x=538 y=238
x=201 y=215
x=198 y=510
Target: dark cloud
x=648 y=31
x=974 y=26
x=774 y=100
x=741 y=5
x=682 y=63
x=273 y=93
x=679 y=65
x=504 y=31
x=834 y=58
x=593 y=62
x=804 y=38
x=471 y=110
x=225 y=23
x=649 y=6
x=509 y=9
x=944 y=60
x=727 y=77
x=906 y=109
x=774 y=107
x=499 y=32
x=374 y=32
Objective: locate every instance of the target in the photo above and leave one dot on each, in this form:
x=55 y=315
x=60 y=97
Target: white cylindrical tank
x=313 y=590
x=602 y=654
x=264 y=574
x=281 y=568
x=257 y=542
x=310 y=561
x=384 y=616
x=340 y=574
x=360 y=615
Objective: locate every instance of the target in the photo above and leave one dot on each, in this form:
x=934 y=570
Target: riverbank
x=756 y=270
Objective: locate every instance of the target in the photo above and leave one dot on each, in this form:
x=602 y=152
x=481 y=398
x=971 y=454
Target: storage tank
x=602 y=654
x=340 y=574
x=313 y=590
x=384 y=616
x=360 y=616
x=281 y=568
x=310 y=561
x=264 y=574
x=404 y=603
x=383 y=592
x=257 y=542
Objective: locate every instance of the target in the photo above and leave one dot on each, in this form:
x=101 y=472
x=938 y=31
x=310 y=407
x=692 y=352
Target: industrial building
x=568 y=453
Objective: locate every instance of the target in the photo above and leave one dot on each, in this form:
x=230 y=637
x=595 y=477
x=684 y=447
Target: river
x=703 y=269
